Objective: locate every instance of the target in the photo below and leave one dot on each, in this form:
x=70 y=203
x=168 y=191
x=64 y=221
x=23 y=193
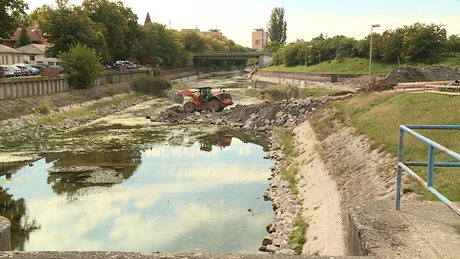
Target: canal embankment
x=364 y=201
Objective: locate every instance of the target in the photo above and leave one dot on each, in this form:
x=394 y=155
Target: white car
x=8 y=71
x=17 y=71
x=25 y=70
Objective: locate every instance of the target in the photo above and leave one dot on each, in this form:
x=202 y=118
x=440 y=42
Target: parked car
x=64 y=70
x=33 y=71
x=8 y=71
x=40 y=67
x=128 y=64
x=24 y=69
x=17 y=71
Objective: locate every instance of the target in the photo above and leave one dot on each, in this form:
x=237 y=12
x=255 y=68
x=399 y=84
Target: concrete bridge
x=264 y=58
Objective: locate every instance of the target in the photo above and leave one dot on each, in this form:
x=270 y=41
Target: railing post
x=398 y=180
x=430 y=166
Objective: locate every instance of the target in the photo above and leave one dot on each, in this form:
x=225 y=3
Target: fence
x=17 y=87
x=431 y=164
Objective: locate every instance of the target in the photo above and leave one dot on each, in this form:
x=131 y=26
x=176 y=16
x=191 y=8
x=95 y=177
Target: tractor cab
x=204 y=93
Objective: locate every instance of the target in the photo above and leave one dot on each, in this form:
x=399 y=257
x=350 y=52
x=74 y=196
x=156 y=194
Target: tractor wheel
x=214 y=105
x=189 y=107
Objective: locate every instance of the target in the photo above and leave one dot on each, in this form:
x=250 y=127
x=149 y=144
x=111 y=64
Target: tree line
x=112 y=31
x=414 y=44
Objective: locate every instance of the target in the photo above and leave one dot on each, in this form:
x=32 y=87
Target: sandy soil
x=335 y=172
x=320 y=198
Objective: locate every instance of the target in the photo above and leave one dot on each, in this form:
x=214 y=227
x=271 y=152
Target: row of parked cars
x=127 y=64
x=20 y=69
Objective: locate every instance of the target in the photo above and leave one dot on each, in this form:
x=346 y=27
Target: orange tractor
x=205 y=100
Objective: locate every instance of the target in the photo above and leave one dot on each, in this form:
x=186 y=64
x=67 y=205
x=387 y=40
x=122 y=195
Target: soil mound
x=415 y=74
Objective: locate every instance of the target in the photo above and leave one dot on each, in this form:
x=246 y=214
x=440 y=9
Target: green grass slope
x=355 y=66
x=379 y=115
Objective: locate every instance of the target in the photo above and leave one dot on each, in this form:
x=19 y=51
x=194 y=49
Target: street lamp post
x=279 y=65
x=279 y=69
x=370 y=50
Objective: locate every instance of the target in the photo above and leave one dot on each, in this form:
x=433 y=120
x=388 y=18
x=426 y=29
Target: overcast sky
x=305 y=19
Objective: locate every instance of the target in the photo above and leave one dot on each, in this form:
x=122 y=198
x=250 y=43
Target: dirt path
x=320 y=198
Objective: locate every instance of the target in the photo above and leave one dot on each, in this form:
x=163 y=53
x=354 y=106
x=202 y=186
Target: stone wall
x=17 y=87
x=296 y=77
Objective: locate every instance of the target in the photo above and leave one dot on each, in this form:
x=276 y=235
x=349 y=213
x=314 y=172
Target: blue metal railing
x=430 y=164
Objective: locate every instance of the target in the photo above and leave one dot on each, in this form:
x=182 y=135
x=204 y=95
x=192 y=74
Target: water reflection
x=21 y=224
x=170 y=197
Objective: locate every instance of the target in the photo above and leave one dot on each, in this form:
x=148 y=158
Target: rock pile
x=429 y=73
x=286 y=206
x=259 y=117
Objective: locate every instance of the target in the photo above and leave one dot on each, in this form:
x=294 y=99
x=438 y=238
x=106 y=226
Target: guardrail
x=431 y=164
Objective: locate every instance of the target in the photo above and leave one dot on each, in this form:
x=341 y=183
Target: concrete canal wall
x=37 y=85
x=193 y=76
x=297 y=78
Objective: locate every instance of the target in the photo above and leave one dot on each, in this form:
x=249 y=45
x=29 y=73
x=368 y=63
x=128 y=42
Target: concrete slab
x=418 y=230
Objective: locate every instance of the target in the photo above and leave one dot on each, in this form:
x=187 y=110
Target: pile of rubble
x=426 y=74
x=259 y=117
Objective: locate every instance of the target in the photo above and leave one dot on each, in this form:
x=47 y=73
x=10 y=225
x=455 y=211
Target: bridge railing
x=431 y=164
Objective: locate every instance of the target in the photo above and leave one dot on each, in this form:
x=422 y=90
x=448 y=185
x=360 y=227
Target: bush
x=45 y=107
x=111 y=80
x=151 y=85
x=111 y=91
x=83 y=64
x=280 y=92
x=156 y=72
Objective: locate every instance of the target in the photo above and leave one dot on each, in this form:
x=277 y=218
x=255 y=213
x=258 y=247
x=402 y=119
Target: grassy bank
x=346 y=66
x=354 y=66
x=379 y=114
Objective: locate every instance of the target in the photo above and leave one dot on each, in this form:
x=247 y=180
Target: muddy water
x=123 y=183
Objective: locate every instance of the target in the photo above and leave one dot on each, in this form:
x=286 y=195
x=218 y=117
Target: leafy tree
x=83 y=64
x=423 y=43
x=161 y=46
x=113 y=21
x=37 y=16
x=192 y=41
x=361 y=48
x=68 y=25
x=453 y=44
x=11 y=15
x=24 y=39
x=216 y=43
x=146 y=48
x=271 y=46
x=132 y=33
x=295 y=54
x=277 y=26
x=278 y=57
x=392 y=45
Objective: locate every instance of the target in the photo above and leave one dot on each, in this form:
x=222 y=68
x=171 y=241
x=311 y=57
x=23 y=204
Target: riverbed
x=124 y=183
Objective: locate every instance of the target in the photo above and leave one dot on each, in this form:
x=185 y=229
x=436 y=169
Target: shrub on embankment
x=152 y=85
x=378 y=115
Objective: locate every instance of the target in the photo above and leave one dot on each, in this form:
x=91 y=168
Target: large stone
x=268 y=240
x=272 y=248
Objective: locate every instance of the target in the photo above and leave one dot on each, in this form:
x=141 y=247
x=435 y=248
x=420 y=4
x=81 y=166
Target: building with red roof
x=35 y=35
